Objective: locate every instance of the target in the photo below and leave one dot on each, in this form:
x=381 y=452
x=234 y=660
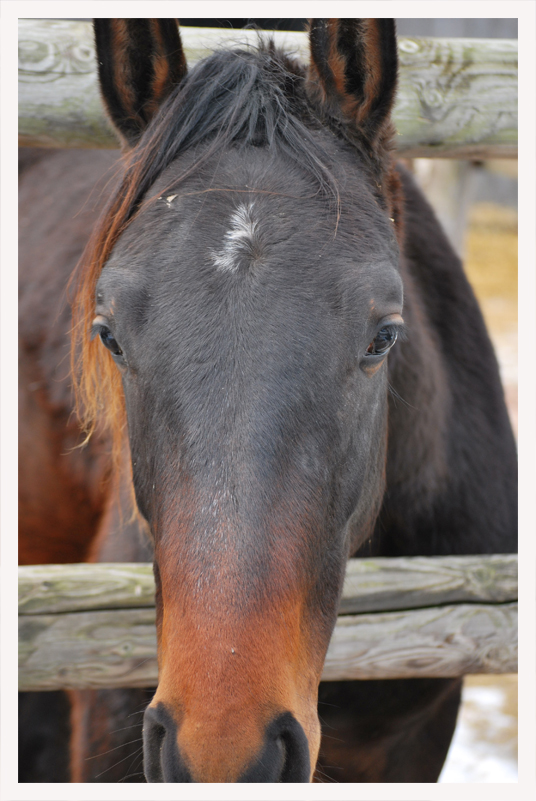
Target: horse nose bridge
x=237 y=620
x=238 y=660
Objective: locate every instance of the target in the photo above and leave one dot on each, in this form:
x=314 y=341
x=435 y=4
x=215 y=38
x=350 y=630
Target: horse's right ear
x=140 y=61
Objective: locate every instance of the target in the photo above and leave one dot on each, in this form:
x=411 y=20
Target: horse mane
x=236 y=97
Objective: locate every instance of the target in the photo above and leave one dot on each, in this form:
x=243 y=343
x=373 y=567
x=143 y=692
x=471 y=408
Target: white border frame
x=11 y=10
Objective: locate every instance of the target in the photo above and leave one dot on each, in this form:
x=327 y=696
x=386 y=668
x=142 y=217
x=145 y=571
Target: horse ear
x=140 y=61
x=353 y=72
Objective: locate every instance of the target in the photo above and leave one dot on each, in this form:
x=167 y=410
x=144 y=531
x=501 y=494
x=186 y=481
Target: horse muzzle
x=283 y=756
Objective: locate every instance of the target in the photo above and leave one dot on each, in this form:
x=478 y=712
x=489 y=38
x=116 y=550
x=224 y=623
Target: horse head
x=245 y=290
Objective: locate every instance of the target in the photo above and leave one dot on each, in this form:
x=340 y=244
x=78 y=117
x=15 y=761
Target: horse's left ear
x=353 y=72
x=140 y=61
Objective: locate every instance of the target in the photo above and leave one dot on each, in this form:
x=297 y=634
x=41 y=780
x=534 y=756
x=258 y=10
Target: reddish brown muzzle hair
x=241 y=650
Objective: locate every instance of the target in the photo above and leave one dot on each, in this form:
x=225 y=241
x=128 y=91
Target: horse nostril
x=297 y=762
x=280 y=742
x=153 y=739
x=161 y=758
x=285 y=755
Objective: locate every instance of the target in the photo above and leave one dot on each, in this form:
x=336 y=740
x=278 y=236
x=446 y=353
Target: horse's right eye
x=110 y=342
x=107 y=338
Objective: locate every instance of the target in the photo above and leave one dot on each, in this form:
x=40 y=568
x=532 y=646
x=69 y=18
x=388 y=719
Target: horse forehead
x=244 y=211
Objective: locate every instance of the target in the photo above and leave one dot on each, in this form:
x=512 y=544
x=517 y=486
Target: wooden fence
x=457 y=97
x=93 y=625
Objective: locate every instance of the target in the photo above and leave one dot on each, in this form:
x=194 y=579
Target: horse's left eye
x=383 y=341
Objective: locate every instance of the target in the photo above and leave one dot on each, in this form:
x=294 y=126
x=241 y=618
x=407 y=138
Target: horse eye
x=110 y=342
x=383 y=341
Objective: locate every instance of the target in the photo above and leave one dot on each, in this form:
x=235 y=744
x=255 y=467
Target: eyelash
x=107 y=338
x=395 y=331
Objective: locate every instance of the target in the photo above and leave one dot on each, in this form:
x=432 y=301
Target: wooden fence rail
x=457 y=97
x=92 y=625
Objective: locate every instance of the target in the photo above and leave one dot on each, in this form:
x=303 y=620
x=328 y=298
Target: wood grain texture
x=457 y=97
x=59 y=100
x=387 y=584
x=114 y=648
x=49 y=589
x=435 y=642
x=381 y=584
x=92 y=625
x=117 y=648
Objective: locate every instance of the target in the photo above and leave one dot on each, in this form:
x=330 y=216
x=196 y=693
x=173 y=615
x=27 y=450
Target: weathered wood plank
x=457 y=97
x=49 y=589
x=114 y=648
x=388 y=584
x=381 y=584
x=424 y=643
x=117 y=648
x=59 y=101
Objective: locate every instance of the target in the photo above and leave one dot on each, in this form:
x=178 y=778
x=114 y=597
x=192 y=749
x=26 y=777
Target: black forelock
x=253 y=97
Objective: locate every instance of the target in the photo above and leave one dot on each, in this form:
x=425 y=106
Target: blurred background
x=477 y=205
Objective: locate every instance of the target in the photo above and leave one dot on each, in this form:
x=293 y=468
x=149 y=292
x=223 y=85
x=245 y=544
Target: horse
x=278 y=364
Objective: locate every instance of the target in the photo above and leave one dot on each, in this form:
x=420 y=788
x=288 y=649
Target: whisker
x=395 y=394
x=330 y=779
x=138 y=763
x=140 y=712
x=116 y=764
x=129 y=775
x=134 y=726
x=103 y=753
x=331 y=737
